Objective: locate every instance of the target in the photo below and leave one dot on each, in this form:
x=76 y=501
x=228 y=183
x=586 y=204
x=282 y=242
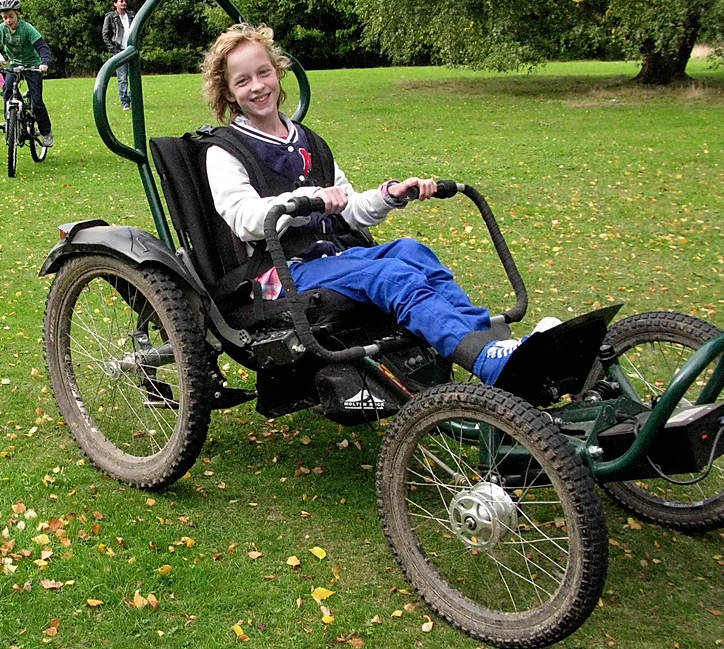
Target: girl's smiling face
x=253 y=83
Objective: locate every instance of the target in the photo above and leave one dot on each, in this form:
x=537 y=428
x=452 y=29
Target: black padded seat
x=325 y=309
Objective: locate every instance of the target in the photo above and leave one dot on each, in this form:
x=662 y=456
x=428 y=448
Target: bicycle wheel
x=11 y=138
x=509 y=545
x=129 y=368
x=652 y=348
x=38 y=151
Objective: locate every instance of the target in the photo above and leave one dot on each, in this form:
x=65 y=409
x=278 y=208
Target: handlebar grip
x=445 y=189
x=304 y=205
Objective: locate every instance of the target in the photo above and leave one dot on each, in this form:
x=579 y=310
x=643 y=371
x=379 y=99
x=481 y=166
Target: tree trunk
x=666 y=68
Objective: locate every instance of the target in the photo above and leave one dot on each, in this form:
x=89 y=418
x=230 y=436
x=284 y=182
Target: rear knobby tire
x=651 y=349
x=514 y=551
x=11 y=138
x=138 y=423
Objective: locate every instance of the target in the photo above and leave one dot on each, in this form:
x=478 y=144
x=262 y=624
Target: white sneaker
x=545 y=324
x=503 y=348
x=48 y=139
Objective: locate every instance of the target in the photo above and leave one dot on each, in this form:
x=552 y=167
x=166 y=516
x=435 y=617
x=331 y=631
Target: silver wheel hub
x=483 y=515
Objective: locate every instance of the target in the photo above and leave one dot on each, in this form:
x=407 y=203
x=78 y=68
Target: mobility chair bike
x=487 y=494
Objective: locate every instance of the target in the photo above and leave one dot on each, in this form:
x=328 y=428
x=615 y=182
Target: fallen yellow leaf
x=396 y=613
x=164 y=570
x=427 y=627
x=95 y=602
x=293 y=561
x=320 y=593
x=254 y=554
x=327 y=616
x=318 y=552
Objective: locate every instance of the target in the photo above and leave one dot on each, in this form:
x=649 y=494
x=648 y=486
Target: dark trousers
x=35 y=85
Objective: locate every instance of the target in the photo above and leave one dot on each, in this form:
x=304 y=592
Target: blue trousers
x=123 y=94
x=403 y=278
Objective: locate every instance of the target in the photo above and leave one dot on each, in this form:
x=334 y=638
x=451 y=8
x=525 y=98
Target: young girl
x=242 y=75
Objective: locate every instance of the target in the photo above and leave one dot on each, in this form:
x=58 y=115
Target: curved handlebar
x=304 y=206
x=501 y=247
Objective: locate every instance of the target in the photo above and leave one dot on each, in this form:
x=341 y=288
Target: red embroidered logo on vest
x=306 y=161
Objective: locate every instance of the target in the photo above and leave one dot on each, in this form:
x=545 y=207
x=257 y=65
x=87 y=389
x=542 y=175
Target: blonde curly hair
x=215 y=71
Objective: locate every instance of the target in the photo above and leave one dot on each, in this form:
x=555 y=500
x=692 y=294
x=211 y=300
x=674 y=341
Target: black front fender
x=131 y=245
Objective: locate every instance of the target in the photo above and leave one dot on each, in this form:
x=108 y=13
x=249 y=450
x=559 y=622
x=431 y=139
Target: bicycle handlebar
x=14 y=69
x=304 y=206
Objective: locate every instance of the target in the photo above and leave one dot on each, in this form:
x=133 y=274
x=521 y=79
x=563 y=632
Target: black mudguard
x=131 y=245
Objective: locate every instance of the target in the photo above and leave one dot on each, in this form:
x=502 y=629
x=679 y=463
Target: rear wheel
x=651 y=349
x=129 y=368
x=38 y=151
x=492 y=516
x=11 y=138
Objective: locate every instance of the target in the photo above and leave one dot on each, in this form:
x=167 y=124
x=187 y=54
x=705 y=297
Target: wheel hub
x=483 y=515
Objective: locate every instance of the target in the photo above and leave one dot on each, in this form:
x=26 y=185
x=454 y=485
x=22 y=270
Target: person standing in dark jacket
x=116 y=27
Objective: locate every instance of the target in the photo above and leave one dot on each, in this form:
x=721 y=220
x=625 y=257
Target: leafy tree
x=504 y=35
x=663 y=33
x=72 y=28
x=320 y=33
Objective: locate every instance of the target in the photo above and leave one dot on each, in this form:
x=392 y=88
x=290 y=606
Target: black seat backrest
x=213 y=247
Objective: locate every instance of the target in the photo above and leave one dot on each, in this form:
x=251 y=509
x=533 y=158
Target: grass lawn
x=605 y=192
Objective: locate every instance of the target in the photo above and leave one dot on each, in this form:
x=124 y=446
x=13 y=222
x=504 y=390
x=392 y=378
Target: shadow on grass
x=707 y=88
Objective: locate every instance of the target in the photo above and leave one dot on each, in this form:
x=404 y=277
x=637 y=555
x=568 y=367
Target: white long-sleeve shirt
x=244 y=210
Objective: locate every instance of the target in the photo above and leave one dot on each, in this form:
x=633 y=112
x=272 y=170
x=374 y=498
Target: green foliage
x=664 y=24
x=501 y=35
x=72 y=29
x=496 y=35
x=319 y=33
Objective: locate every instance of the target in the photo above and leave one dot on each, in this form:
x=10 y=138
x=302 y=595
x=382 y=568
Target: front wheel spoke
x=546 y=537
x=463 y=468
x=429 y=482
x=504 y=567
x=429 y=515
x=517 y=549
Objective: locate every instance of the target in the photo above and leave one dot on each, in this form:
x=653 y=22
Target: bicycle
x=20 y=123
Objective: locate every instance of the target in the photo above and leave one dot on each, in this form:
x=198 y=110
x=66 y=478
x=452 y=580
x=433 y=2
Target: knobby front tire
x=139 y=419
x=509 y=546
x=651 y=349
x=11 y=138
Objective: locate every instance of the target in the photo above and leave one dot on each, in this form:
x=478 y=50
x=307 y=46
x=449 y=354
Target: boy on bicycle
x=24 y=45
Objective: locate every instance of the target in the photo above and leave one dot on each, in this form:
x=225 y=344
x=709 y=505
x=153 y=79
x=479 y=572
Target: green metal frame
x=665 y=406
x=589 y=419
x=138 y=153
